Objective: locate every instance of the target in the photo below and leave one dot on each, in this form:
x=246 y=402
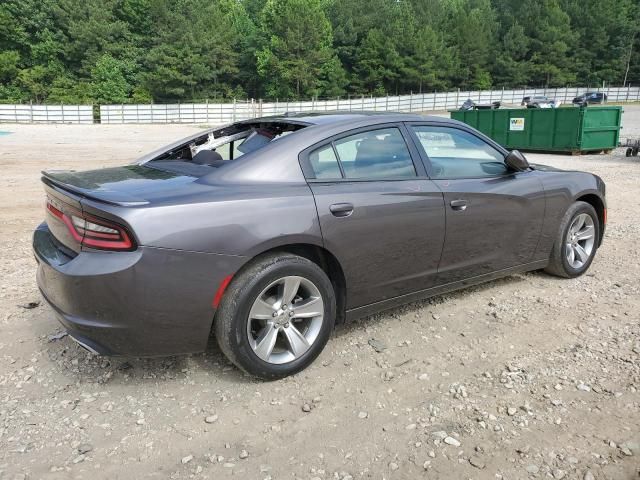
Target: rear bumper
x=149 y=302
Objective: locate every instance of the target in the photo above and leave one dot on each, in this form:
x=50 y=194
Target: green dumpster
x=570 y=129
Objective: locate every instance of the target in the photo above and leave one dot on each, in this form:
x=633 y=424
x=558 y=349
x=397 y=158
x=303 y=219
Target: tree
x=108 y=82
x=182 y=50
x=431 y=62
x=377 y=64
x=475 y=28
x=9 y=62
x=198 y=61
x=511 y=67
x=294 y=59
x=551 y=43
x=35 y=81
x=610 y=26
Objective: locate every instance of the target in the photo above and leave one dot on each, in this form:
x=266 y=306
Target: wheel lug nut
x=275 y=314
x=286 y=325
x=291 y=314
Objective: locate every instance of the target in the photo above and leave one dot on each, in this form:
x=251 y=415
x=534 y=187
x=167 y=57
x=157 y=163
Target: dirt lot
x=527 y=377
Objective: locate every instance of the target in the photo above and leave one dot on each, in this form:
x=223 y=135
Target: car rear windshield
x=218 y=147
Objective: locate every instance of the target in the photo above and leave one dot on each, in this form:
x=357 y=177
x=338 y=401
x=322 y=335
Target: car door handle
x=341 y=209
x=459 y=205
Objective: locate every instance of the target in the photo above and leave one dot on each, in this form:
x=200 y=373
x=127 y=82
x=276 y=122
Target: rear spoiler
x=61 y=180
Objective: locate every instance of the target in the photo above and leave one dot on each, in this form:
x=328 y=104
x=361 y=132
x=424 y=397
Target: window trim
x=425 y=157
x=414 y=155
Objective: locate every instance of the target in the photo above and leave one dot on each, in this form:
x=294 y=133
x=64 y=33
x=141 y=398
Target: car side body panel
x=561 y=189
x=228 y=220
x=390 y=245
x=493 y=222
x=499 y=227
x=440 y=289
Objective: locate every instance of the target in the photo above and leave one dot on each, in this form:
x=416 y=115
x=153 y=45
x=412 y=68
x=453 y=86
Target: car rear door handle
x=341 y=209
x=459 y=205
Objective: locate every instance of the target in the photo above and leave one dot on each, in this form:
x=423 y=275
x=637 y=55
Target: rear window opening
x=218 y=147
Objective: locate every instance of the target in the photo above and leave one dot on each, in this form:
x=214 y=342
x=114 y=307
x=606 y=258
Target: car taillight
x=91 y=231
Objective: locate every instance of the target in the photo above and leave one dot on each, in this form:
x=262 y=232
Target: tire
x=559 y=262
x=628 y=152
x=233 y=328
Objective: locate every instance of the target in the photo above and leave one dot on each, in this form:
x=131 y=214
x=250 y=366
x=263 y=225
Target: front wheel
x=276 y=316
x=576 y=243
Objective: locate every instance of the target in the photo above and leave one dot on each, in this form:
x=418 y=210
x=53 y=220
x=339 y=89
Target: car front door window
x=454 y=153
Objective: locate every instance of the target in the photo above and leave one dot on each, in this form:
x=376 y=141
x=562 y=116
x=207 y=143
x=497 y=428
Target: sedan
x=590 y=97
x=269 y=232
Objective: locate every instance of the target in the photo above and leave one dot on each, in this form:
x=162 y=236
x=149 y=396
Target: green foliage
x=9 y=61
x=193 y=54
x=122 y=51
x=108 y=81
x=297 y=55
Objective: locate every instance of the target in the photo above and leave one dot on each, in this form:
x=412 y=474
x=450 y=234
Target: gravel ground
x=530 y=376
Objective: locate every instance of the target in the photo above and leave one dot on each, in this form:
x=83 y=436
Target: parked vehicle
x=590 y=97
x=268 y=232
x=471 y=105
x=632 y=147
x=538 y=102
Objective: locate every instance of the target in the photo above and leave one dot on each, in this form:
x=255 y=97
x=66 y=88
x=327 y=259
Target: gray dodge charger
x=269 y=232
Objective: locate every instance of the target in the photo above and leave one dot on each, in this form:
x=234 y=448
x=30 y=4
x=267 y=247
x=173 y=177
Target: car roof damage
x=201 y=155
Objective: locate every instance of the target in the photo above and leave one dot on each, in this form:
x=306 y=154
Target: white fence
x=46 y=113
x=216 y=113
x=180 y=113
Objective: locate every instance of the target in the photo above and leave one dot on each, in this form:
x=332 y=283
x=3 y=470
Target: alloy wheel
x=580 y=240
x=285 y=320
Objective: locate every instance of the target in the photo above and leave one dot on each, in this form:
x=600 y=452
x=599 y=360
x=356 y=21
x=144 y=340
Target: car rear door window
x=375 y=154
x=454 y=153
x=324 y=163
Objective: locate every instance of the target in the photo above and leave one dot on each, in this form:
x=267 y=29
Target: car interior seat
x=369 y=152
x=208 y=157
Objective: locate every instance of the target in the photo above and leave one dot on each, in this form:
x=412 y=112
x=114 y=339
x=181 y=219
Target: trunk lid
x=131 y=185
x=68 y=193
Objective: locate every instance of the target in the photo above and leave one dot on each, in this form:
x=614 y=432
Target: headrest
x=206 y=157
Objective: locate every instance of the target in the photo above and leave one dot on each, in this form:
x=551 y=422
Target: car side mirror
x=516 y=161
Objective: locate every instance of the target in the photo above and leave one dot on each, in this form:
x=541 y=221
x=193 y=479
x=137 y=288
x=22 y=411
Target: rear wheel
x=576 y=243
x=276 y=316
